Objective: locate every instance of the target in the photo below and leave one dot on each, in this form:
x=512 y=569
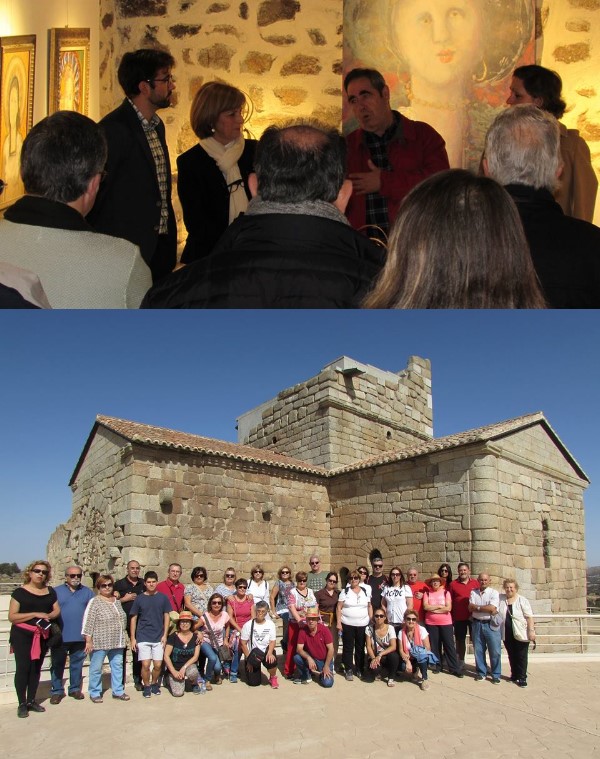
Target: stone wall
x=349 y=411
x=218 y=513
x=513 y=518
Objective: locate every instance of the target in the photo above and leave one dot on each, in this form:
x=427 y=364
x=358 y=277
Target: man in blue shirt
x=149 y=624
x=73 y=597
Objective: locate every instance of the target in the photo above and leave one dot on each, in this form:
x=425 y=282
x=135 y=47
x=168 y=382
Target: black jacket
x=276 y=260
x=204 y=197
x=565 y=250
x=128 y=202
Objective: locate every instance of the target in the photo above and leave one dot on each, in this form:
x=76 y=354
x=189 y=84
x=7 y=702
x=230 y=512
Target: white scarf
x=226 y=157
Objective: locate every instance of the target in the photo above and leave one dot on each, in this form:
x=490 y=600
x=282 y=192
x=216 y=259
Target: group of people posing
x=195 y=634
x=303 y=218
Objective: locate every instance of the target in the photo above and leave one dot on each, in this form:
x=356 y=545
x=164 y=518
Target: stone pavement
x=558 y=715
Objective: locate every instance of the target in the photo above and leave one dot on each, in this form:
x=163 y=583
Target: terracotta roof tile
x=184 y=441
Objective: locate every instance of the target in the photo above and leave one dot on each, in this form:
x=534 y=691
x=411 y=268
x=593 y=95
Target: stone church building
x=340 y=464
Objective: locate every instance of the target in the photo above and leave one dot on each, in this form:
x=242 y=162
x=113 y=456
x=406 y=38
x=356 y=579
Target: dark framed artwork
x=69 y=70
x=17 y=68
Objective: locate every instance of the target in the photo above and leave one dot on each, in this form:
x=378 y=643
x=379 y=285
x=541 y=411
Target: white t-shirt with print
x=395 y=602
x=262 y=634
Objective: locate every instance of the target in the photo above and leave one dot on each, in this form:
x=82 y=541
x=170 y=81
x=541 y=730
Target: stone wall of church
x=337 y=418
x=159 y=507
x=102 y=517
x=511 y=517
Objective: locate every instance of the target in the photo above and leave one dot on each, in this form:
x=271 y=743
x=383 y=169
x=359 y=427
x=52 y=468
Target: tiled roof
x=161 y=437
x=184 y=441
x=478 y=435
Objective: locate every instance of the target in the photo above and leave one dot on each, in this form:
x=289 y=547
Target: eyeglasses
x=106 y=585
x=285 y=572
x=228 y=576
x=443 y=571
x=301 y=581
x=355 y=578
x=74 y=576
x=41 y=571
x=201 y=575
x=332 y=579
x=362 y=572
x=165 y=79
x=242 y=587
x=216 y=603
x=257 y=572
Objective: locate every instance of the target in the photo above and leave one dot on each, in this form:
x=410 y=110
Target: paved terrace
x=558 y=715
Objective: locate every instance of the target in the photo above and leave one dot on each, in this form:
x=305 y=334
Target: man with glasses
x=377 y=581
x=148 y=628
x=127 y=590
x=316 y=577
x=73 y=597
x=314 y=652
x=460 y=592
x=135 y=200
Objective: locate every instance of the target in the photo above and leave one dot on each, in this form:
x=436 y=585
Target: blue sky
x=198 y=371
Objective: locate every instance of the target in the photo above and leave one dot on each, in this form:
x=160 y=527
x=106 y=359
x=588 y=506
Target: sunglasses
x=333 y=579
x=314 y=563
x=228 y=576
x=395 y=574
x=217 y=603
x=299 y=581
x=198 y=575
x=411 y=619
x=362 y=572
x=41 y=571
x=443 y=571
x=74 y=576
x=242 y=587
x=285 y=572
x=377 y=566
x=257 y=572
x=379 y=616
x=106 y=585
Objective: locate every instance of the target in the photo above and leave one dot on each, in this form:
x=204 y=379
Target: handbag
x=519 y=627
x=55 y=638
x=223 y=652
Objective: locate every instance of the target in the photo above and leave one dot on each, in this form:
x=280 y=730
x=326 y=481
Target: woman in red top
x=438 y=621
x=241 y=609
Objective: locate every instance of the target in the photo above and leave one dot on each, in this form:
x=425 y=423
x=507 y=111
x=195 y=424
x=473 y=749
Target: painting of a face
x=439 y=39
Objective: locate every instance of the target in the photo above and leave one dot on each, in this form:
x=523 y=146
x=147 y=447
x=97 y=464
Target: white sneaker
x=424 y=685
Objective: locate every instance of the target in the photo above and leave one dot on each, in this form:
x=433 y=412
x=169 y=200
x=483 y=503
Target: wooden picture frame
x=69 y=70
x=17 y=70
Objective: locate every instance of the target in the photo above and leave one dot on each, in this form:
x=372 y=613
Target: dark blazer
x=128 y=202
x=204 y=197
x=565 y=250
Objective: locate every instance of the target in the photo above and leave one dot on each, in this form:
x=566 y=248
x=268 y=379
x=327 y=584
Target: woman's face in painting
x=439 y=39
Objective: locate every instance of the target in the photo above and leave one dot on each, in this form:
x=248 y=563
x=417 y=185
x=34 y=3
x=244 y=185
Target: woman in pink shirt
x=437 y=604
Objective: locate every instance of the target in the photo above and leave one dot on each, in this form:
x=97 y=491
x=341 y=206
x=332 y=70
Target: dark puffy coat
x=276 y=261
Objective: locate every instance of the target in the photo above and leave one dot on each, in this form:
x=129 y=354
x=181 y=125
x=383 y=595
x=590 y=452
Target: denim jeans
x=486 y=638
x=213 y=663
x=76 y=653
x=305 y=673
x=115 y=659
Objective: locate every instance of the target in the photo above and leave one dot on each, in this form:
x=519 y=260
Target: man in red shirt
x=418 y=588
x=460 y=590
x=172 y=588
x=314 y=651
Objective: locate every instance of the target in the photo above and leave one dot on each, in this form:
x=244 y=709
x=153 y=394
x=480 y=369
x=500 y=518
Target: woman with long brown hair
x=457 y=242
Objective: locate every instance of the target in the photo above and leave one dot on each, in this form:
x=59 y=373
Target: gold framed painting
x=69 y=70
x=17 y=69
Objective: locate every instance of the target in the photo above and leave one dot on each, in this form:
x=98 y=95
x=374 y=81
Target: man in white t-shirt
x=260 y=633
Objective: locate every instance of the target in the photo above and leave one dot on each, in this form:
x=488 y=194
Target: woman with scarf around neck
x=32 y=607
x=412 y=639
x=213 y=176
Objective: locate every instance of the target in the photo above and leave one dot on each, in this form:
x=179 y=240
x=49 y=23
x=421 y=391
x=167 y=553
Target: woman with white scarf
x=213 y=175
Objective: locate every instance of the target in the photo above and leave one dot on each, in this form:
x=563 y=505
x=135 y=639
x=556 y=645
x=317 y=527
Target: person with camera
x=73 y=598
x=258 y=644
x=32 y=608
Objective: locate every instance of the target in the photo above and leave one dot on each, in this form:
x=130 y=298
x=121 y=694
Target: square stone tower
x=349 y=411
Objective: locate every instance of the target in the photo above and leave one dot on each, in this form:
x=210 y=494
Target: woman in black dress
x=212 y=179
x=32 y=607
